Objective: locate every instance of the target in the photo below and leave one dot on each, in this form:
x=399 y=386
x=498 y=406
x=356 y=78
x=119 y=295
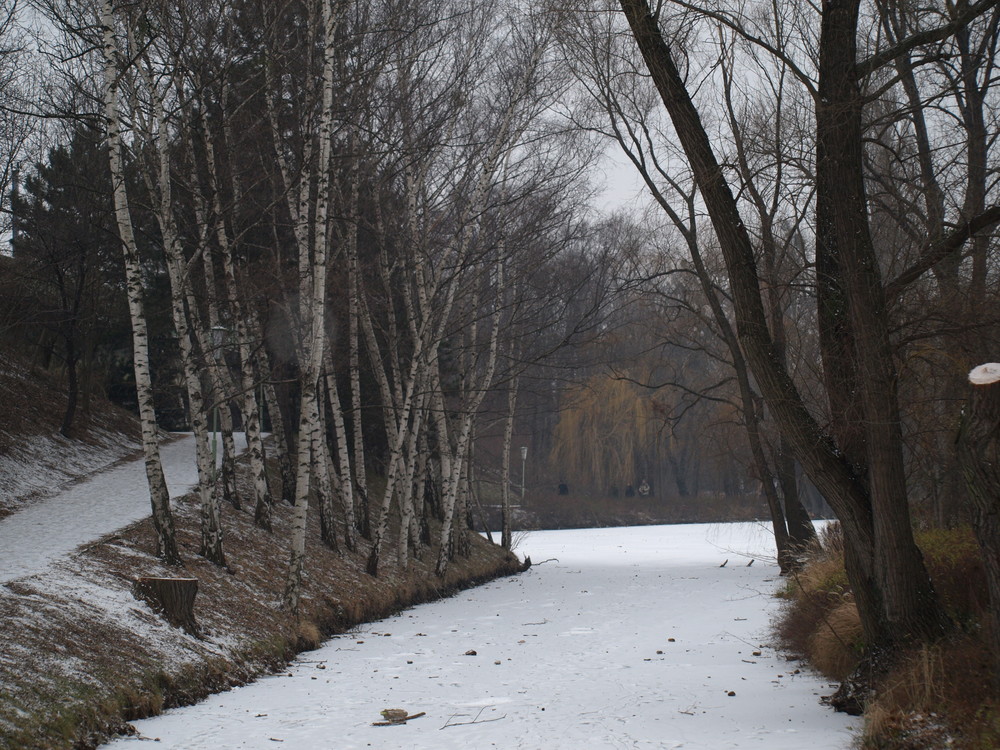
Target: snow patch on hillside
x=38 y=466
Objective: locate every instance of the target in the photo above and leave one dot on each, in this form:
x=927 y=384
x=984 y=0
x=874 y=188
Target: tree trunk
x=910 y=606
x=979 y=457
x=279 y=430
x=172 y=598
x=343 y=469
x=885 y=568
x=506 y=534
x=312 y=262
x=163 y=521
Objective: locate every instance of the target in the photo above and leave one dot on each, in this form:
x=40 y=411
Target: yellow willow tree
x=608 y=432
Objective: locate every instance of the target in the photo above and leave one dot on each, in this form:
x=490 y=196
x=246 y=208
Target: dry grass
x=837 y=643
x=820 y=621
x=936 y=695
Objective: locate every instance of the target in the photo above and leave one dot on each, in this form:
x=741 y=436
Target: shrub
x=936 y=695
x=820 y=622
x=836 y=645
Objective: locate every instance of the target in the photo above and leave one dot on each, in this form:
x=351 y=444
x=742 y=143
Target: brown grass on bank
x=820 y=621
x=81 y=657
x=937 y=695
x=835 y=646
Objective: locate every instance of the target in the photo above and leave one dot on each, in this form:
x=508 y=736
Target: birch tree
x=312 y=234
x=159 y=496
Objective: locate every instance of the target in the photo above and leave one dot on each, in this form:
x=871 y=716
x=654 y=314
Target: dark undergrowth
x=936 y=695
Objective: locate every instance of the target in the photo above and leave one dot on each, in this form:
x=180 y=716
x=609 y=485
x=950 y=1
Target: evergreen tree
x=67 y=251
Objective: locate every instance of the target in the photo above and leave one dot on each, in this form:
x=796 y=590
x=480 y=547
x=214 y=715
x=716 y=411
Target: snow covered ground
x=52 y=527
x=621 y=638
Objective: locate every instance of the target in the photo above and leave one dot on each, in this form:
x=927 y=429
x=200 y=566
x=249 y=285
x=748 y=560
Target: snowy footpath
x=85 y=511
x=618 y=638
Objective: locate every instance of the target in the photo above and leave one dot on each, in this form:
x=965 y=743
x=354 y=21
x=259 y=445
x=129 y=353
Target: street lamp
x=524 y=458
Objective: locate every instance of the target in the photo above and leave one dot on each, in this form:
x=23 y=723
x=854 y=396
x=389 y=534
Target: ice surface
x=623 y=638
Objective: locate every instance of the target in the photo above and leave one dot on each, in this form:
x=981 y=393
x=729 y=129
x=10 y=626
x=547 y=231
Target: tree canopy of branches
x=852 y=446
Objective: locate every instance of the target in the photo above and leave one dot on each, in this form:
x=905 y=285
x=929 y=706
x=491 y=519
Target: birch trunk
x=354 y=367
x=312 y=303
x=506 y=540
x=159 y=496
x=220 y=377
x=278 y=430
x=462 y=449
x=322 y=469
x=381 y=528
x=178 y=270
x=308 y=419
x=343 y=466
x=406 y=497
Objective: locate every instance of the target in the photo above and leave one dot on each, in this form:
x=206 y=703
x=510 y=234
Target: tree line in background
x=370 y=221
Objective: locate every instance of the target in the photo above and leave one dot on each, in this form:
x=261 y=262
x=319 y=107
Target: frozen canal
x=622 y=638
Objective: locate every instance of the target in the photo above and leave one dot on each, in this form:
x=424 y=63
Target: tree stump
x=171 y=598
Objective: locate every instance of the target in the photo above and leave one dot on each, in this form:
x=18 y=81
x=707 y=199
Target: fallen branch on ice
x=398 y=722
x=475 y=720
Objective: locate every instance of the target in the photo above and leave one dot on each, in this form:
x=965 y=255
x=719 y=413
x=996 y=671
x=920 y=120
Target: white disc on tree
x=985 y=374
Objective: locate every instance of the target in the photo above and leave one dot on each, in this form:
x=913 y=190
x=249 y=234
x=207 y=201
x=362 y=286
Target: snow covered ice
x=622 y=638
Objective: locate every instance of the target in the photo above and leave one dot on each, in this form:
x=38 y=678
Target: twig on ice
x=475 y=720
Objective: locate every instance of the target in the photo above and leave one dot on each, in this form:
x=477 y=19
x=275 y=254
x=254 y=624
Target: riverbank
x=81 y=657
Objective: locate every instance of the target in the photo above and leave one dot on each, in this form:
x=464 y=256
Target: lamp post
x=524 y=458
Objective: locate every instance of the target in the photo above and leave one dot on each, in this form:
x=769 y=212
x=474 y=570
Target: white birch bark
x=406 y=498
x=380 y=531
x=354 y=367
x=506 y=540
x=244 y=322
x=312 y=309
x=178 y=271
x=159 y=496
x=325 y=482
x=471 y=408
x=282 y=448
x=343 y=464
x=219 y=375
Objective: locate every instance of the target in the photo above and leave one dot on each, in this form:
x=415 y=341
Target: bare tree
x=857 y=465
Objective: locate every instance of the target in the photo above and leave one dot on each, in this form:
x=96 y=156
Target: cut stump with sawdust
x=171 y=598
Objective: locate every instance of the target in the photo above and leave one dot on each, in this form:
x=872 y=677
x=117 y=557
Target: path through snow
x=53 y=527
x=628 y=638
